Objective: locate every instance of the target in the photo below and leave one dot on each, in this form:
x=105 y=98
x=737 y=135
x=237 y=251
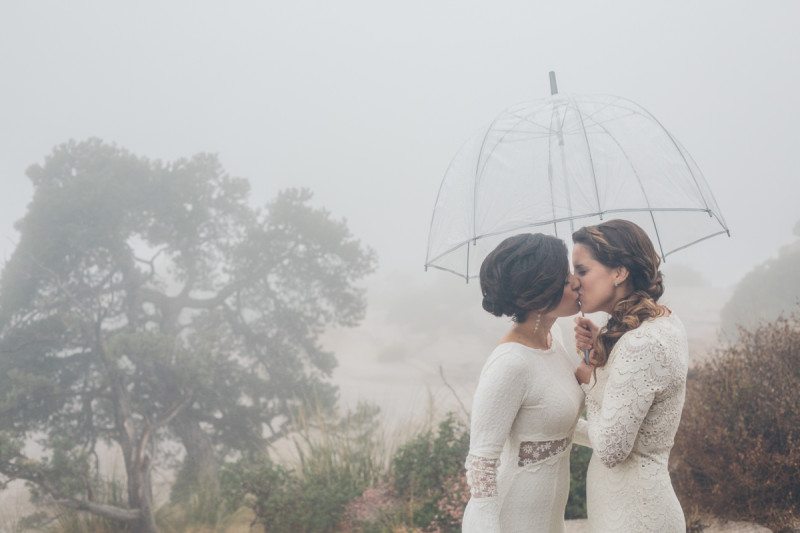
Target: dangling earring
x=536 y=324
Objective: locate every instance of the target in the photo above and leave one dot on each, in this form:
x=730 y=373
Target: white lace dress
x=633 y=410
x=523 y=416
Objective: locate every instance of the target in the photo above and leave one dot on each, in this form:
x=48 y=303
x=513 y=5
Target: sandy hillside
x=414 y=328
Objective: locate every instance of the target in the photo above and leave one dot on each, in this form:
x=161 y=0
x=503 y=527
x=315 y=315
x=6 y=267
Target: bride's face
x=597 y=291
x=568 y=305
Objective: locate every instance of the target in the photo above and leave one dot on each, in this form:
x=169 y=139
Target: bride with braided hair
x=635 y=383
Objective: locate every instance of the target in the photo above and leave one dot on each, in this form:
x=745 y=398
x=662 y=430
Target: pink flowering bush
x=450 y=508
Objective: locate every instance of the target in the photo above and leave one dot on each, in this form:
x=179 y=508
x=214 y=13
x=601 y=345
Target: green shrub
x=428 y=472
x=424 y=468
x=336 y=461
x=578 y=464
x=283 y=501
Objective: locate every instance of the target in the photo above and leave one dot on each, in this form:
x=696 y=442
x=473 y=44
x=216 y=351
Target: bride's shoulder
x=658 y=326
x=507 y=355
x=653 y=336
x=652 y=330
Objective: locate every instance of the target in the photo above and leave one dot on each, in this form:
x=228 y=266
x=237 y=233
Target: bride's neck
x=535 y=330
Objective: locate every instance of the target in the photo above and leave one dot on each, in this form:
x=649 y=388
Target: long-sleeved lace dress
x=523 y=415
x=633 y=409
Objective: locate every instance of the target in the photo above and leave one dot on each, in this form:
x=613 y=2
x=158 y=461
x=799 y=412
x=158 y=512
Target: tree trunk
x=200 y=468
x=147 y=519
x=140 y=492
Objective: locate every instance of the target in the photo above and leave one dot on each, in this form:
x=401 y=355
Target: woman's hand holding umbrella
x=585 y=334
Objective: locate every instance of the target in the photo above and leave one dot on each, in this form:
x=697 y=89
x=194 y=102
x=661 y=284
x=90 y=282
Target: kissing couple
x=526 y=412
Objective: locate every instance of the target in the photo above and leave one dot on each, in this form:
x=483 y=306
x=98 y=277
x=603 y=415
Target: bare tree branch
x=106 y=511
x=15 y=471
x=164 y=420
x=151 y=262
x=455 y=394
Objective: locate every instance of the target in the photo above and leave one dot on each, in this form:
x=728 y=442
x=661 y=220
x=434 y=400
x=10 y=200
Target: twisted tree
x=148 y=302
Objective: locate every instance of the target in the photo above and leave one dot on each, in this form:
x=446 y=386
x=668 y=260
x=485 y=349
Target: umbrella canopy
x=563 y=162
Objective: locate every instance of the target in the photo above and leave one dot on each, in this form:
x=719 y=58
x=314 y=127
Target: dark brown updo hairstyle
x=619 y=243
x=524 y=273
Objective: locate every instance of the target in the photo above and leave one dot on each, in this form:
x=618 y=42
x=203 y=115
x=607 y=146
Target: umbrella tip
x=553 y=85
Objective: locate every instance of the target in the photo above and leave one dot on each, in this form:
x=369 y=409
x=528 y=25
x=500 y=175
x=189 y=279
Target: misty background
x=364 y=103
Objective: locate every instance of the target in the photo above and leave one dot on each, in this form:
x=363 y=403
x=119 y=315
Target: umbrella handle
x=587 y=350
x=553 y=84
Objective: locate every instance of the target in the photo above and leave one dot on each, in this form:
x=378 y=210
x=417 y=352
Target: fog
x=366 y=102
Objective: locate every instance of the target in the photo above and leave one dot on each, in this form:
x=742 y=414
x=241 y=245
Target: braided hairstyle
x=524 y=273
x=619 y=243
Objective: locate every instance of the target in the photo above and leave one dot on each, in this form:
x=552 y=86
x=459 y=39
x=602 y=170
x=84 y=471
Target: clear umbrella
x=567 y=161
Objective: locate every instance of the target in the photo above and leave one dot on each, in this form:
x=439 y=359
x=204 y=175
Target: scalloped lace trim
x=482 y=476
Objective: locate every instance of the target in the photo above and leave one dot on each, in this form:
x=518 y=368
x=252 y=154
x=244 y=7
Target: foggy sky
x=366 y=102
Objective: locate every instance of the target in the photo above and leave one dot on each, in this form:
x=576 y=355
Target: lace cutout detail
x=532 y=452
x=482 y=476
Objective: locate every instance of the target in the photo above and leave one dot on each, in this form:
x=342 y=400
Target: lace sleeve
x=501 y=390
x=482 y=476
x=635 y=376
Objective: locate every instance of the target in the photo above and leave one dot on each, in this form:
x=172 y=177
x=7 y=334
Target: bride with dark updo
x=527 y=401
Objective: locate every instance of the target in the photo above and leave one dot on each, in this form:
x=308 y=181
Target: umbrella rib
x=550 y=171
x=612 y=119
x=529 y=121
x=641 y=185
x=451 y=249
x=541 y=136
x=606 y=121
x=588 y=215
x=478 y=162
x=718 y=213
x=604 y=105
x=589 y=150
x=436 y=202
x=563 y=120
x=459 y=274
x=564 y=173
x=466 y=272
x=699 y=240
x=632 y=112
x=479 y=175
